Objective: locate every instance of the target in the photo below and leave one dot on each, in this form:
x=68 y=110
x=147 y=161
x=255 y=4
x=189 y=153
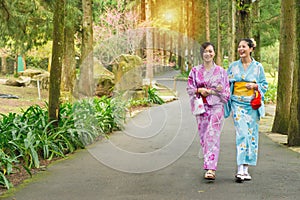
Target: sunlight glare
x=169 y=16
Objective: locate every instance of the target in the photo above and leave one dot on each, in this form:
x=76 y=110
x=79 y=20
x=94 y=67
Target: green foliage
x=24 y=24
x=153 y=97
x=138 y=102
x=6 y=166
x=37 y=62
x=100 y=6
x=241 y=6
x=225 y=64
x=27 y=137
x=183 y=75
x=269 y=22
x=270 y=58
x=270 y=95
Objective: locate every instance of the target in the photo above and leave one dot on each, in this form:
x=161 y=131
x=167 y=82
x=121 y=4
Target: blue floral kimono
x=246 y=119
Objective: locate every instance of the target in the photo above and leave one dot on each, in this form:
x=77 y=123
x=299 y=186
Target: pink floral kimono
x=209 y=123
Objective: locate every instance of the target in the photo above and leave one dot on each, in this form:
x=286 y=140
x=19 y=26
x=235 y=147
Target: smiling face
x=244 y=50
x=208 y=54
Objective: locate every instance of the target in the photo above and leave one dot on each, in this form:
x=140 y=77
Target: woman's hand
x=219 y=88
x=204 y=92
x=250 y=86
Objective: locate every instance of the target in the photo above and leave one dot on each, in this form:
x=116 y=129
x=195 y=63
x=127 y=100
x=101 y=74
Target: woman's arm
x=191 y=83
x=223 y=89
x=192 y=87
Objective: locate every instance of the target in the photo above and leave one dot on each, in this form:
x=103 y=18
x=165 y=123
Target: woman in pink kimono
x=210 y=82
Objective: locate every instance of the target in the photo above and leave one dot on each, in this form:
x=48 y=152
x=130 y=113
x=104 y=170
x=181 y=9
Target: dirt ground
x=27 y=96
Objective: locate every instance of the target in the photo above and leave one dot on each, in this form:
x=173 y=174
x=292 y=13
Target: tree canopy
x=24 y=24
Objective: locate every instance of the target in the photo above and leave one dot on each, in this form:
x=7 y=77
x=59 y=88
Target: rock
x=104 y=86
x=31 y=72
x=22 y=81
x=104 y=80
x=3 y=81
x=128 y=72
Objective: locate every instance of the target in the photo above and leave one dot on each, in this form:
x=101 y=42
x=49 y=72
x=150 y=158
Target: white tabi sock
x=240 y=169
x=245 y=169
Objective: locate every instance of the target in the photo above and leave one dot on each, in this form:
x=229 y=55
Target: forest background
x=66 y=36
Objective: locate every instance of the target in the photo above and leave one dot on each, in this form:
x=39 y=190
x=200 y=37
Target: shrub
x=270 y=95
x=29 y=136
x=153 y=97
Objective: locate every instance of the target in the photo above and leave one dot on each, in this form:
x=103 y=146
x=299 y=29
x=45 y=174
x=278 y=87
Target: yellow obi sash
x=241 y=90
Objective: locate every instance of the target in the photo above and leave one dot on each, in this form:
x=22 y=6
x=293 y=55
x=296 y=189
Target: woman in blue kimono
x=246 y=77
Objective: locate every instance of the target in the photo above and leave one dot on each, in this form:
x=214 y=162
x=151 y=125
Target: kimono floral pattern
x=246 y=120
x=209 y=123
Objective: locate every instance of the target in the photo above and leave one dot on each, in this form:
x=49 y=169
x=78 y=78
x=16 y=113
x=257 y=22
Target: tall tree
x=149 y=40
x=141 y=51
x=188 y=32
x=86 y=79
x=231 y=29
x=198 y=33
x=256 y=28
x=57 y=57
x=3 y=56
x=219 y=36
x=143 y=10
x=294 y=123
x=207 y=17
x=69 y=63
x=180 y=56
x=286 y=65
x=243 y=28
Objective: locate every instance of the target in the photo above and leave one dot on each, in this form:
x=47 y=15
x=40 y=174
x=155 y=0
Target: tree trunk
x=198 y=27
x=207 y=16
x=3 y=65
x=143 y=10
x=181 y=30
x=294 y=125
x=285 y=71
x=171 y=49
x=86 y=80
x=69 y=65
x=199 y=30
x=149 y=45
x=256 y=34
x=219 y=53
x=164 y=39
x=141 y=51
x=57 y=57
x=243 y=29
x=231 y=29
x=188 y=32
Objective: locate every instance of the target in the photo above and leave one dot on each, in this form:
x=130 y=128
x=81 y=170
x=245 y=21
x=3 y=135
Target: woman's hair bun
x=254 y=42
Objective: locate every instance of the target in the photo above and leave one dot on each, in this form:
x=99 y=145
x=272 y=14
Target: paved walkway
x=157 y=157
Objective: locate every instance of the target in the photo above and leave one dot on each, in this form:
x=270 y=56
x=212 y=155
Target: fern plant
x=153 y=96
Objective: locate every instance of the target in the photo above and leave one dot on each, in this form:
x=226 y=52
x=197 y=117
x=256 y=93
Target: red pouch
x=256 y=102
